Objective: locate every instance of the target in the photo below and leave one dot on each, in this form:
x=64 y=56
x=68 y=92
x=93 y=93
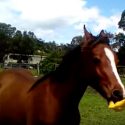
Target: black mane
x=63 y=70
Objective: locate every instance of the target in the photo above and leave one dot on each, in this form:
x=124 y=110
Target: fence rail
x=33 y=67
x=121 y=69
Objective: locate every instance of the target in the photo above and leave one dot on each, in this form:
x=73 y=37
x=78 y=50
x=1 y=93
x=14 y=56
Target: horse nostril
x=117 y=94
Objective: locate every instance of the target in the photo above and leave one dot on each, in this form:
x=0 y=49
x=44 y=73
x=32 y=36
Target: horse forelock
x=98 y=40
x=92 y=44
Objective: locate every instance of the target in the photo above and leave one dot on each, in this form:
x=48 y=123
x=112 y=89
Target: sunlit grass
x=94 y=111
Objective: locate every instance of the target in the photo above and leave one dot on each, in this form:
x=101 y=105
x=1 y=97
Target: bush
x=49 y=64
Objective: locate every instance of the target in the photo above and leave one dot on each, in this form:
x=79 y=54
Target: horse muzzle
x=116 y=95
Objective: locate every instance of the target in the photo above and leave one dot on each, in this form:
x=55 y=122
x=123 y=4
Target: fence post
x=38 y=70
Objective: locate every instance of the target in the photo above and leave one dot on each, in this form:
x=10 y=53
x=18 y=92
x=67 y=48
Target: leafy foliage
x=122 y=21
x=14 y=41
x=26 y=43
x=120 y=44
x=52 y=61
x=76 y=40
x=6 y=33
x=120 y=37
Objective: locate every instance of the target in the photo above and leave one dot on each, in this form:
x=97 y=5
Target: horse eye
x=96 y=60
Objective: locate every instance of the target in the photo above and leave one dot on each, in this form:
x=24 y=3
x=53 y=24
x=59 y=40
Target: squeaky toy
x=118 y=106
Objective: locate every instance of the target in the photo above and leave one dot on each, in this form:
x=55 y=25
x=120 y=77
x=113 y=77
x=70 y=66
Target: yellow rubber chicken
x=118 y=106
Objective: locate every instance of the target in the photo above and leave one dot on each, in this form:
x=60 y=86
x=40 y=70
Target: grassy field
x=94 y=111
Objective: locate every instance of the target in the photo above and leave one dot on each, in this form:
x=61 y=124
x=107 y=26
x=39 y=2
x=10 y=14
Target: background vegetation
x=13 y=40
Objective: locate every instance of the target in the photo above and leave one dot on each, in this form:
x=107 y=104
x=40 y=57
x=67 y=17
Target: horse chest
x=53 y=113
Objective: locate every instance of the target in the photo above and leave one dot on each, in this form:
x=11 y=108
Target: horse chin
x=114 y=99
x=110 y=97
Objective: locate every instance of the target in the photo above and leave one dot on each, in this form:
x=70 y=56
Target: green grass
x=34 y=72
x=94 y=111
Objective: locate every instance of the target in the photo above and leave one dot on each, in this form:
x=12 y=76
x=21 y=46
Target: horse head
x=100 y=66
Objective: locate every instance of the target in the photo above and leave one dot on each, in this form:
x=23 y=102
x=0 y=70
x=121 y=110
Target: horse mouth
x=115 y=99
x=116 y=96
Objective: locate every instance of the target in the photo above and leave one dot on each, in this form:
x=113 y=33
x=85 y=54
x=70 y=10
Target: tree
x=27 y=44
x=120 y=37
x=76 y=40
x=14 y=44
x=120 y=44
x=121 y=23
x=6 y=34
x=22 y=43
x=6 y=31
x=49 y=64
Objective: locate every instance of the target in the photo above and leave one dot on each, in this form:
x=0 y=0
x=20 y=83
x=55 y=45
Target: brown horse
x=54 y=98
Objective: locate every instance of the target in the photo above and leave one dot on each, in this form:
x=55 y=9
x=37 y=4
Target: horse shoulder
x=47 y=107
x=42 y=104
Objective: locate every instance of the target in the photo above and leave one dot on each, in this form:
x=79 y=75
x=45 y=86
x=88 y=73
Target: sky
x=61 y=20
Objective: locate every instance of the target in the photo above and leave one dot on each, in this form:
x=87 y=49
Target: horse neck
x=68 y=75
x=71 y=86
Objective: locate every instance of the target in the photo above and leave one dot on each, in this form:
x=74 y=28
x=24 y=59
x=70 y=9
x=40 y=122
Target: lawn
x=94 y=111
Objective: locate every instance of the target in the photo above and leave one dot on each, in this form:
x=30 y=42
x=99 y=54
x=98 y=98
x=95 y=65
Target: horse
x=54 y=98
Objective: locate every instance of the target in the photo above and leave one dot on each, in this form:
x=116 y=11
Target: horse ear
x=88 y=37
x=102 y=34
